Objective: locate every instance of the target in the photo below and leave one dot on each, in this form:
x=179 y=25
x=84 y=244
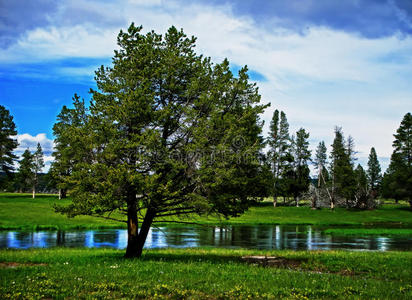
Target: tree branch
x=180 y=222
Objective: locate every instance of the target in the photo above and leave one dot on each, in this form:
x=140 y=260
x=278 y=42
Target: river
x=250 y=237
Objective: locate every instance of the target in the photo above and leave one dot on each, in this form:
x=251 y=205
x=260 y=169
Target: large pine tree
x=168 y=133
x=397 y=182
x=7 y=141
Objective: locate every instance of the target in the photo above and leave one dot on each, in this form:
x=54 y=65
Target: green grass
x=203 y=273
x=267 y=214
x=20 y=211
x=370 y=231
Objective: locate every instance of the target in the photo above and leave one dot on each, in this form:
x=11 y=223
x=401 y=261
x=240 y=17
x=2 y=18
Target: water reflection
x=257 y=237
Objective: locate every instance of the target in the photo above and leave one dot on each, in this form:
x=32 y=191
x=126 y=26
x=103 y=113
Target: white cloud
x=27 y=141
x=320 y=79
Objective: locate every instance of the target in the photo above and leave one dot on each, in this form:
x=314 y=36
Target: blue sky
x=325 y=63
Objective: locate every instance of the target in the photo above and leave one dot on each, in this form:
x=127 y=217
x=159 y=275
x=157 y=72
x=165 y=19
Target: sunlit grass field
x=20 y=211
x=206 y=273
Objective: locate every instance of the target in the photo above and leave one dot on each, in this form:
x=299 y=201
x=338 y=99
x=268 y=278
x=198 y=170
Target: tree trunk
x=284 y=201
x=132 y=227
x=62 y=194
x=297 y=201
x=314 y=200
x=275 y=201
x=144 y=230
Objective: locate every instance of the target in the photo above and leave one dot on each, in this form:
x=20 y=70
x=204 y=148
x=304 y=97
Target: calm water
x=258 y=237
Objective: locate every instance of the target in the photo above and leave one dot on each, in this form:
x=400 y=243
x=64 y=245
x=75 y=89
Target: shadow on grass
x=404 y=208
x=190 y=257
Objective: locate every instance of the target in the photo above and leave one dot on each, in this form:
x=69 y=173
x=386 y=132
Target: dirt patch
x=16 y=265
x=273 y=261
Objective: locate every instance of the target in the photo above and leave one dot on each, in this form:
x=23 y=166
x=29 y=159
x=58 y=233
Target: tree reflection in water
x=256 y=237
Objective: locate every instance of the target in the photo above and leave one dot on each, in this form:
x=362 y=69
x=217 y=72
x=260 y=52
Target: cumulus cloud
x=367 y=18
x=27 y=141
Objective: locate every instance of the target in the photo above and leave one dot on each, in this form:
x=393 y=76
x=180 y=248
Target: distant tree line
x=338 y=180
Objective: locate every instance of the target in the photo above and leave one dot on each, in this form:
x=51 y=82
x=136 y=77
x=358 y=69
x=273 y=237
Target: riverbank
x=204 y=273
x=21 y=212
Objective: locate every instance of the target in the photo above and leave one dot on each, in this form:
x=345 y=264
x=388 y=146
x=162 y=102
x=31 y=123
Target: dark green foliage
x=25 y=173
x=274 y=153
x=301 y=157
x=362 y=190
x=374 y=173
x=38 y=165
x=168 y=133
x=341 y=169
x=71 y=143
x=7 y=143
x=320 y=162
x=397 y=181
x=279 y=155
x=350 y=150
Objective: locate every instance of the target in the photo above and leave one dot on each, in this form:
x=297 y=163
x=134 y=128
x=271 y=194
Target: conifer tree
x=397 y=181
x=350 y=150
x=342 y=173
x=38 y=165
x=301 y=157
x=168 y=133
x=280 y=143
x=7 y=142
x=71 y=143
x=273 y=153
x=374 y=173
x=25 y=173
x=320 y=162
x=361 y=194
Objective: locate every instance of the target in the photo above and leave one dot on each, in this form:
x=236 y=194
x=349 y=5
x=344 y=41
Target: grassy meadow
x=20 y=211
x=203 y=273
